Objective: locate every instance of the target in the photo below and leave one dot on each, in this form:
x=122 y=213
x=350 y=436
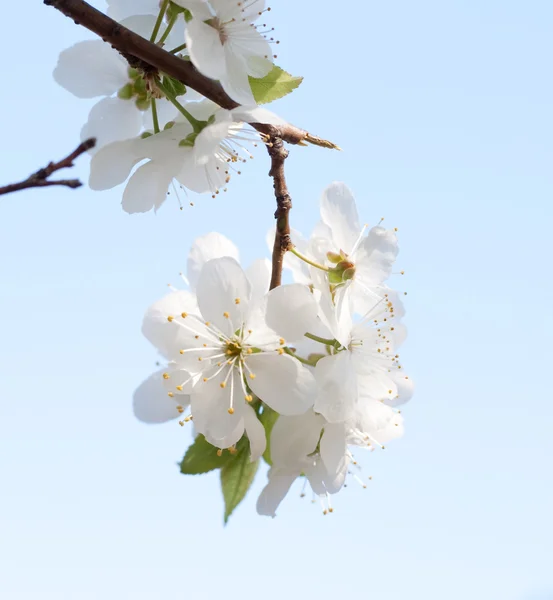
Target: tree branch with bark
x=41 y=178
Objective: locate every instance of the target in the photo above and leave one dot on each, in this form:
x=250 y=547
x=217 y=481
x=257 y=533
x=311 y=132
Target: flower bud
x=142 y=103
x=343 y=271
x=333 y=257
x=126 y=92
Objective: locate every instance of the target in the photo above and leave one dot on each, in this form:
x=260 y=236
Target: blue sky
x=444 y=113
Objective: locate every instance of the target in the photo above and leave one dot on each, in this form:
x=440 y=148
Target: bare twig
x=141 y=53
x=40 y=178
x=283 y=243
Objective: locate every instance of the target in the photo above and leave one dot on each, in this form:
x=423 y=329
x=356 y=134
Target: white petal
x=112 y=164
x=333 y=448
x=178 y=382
x=112 y=120
x=199 y=8
x=223 y=289
x=168 y=337
x=147 y=188
x=259 y=276
x=235 y=79
x=211 y=403
x=255 y=432
x=274 y=492
x=291 y=311
x=282 y=382
x=293 y=438
x=256 y=114
x=205 y=49
x=205 y=248
x=335 y=310
x=151 y=404
x=337 y=382
x=91 y=68
x=339 y=212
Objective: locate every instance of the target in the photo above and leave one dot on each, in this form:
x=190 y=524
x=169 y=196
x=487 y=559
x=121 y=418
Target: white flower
x=307 y=445
x=360 y=264
x=93 y=69
x=225 y=44
x=201 y=162
x=225 y=349
x=121 y=9
x=364 y=364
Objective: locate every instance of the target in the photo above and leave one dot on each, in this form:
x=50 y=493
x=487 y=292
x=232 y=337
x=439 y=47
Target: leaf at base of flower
x=236 y=478
x=276 y=84
x=268 y=418
x=201 y=457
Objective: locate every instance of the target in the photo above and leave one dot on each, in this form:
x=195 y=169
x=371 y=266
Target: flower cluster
x=188 y=142
x=322 y=352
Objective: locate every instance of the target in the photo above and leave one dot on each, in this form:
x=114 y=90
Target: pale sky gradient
x=443 y=109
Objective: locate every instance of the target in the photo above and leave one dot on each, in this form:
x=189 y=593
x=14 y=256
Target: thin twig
x=283 y=243
x=140 y=53
x=40 y=178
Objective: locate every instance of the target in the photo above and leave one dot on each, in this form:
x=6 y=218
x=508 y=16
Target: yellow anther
x=395 y=228
x=402 y=272
x=226 y=315
x=179 y=388
x=248 y=398
x=252 y=376
x=205 y=379
x=229 y=352
x=223 y=384
x=249 y=350
x=197 y=337
x=250 y=330
x=165 y=376
x=232 y=450
x=170 y=394
x=280 y=351
x=181 y=423
x=170 y=318
x=184 y=315
x=205 y=345
x=389 y=391
x=282 y=341
x=181 y=351
x=237 y=301
x=219 y=452
x=200 y=358
x=208 y=323
x=180 y=409
x=230 y=411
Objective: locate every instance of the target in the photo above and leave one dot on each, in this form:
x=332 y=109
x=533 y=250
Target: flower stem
x=317 y=265
x=168 y=30
x=159 y=20
x=177 y=49
x=321 y=340
x=154 y=116
x=302 y=360
x=196 y=125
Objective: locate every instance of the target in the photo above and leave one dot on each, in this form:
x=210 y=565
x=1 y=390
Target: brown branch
x=141 y=53
x=283 y=243
x=40 y=178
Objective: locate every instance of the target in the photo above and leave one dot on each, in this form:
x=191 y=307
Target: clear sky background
x=444 y=111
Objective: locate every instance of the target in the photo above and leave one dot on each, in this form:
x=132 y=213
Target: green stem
x=154 y=116
x=159 y=20
x=177 y=49
x=168 y=30
x=317 y=265
x=196 y=125
x=321 y=340
x=302 y=360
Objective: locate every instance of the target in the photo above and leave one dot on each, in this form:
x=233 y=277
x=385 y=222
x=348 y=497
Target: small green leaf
x=236 y=478
x=174 y=86
x=201 y=457
x=268 y=418
x=276 y=84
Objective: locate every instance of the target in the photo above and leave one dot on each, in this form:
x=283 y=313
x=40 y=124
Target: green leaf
x=236 y=478
x=276 y=84
x=268 y=418
x=175 y=87
x=201 y=457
